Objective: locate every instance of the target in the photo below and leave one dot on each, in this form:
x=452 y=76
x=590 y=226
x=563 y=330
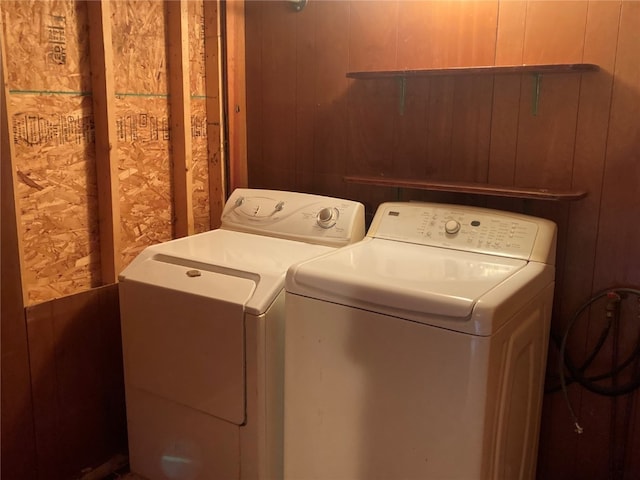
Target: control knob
x=327 y=217
x=452 y=227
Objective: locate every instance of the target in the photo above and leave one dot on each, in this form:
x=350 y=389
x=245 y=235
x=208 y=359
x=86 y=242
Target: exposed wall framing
x=109 y=104
x=111 y=121
x=17 y=406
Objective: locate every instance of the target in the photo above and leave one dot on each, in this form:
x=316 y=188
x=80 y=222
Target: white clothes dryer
x=202 y=320
x=419 y=353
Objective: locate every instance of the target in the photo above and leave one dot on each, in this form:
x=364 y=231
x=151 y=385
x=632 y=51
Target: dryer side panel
x=514 y=406
x=188 y=349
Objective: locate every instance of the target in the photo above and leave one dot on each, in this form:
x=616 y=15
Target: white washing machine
x=202 y=320
x=419 y=353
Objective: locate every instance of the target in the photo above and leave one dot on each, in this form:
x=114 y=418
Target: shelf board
x=480 y=70
x=471 y=188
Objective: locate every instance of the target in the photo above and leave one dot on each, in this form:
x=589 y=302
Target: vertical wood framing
x=236 y=77
x=9 y=173
x=180 y=113
x=105 y=138
x=215 y=126
x=18 y=447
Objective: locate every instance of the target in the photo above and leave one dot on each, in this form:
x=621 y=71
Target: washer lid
x=262 y=261
x=402 y=277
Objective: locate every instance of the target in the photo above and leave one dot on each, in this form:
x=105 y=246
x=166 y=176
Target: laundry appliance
x=202 y=320
x=419 y=352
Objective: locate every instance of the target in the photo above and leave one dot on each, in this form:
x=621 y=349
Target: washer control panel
x=459 y=227
x=295 y=216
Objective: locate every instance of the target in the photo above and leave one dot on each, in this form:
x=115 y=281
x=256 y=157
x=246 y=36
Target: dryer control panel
x=471 y=229
x=295 y=216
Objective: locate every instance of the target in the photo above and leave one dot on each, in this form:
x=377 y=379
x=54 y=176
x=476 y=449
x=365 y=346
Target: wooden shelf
x=535 y=70
x=481 y=70
x=472 y=188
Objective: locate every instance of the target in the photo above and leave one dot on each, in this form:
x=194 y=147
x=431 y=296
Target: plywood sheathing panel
x=199 y=143
x=145 y=183
x=47 y=45
x=53 y=134
x=139 y=32
x=200 y=174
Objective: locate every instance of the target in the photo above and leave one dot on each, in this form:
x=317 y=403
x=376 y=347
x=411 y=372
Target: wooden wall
x=111 y=136
x=308 y=126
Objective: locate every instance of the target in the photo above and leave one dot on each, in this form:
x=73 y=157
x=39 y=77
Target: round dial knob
x=327 y=217
x=452 y=226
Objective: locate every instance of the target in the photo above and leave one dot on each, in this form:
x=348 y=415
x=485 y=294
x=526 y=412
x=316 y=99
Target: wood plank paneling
x=440 y=126
x=306 y=71
x=373 y=40
x=446 y=34
x=373 y=31
x=584 y=136
x=331 y=58
x=234 y=34
x=506 y=93
x=622 y=169
x=410 y=135
x=278 y=94
x=561 y=447
x=617 y=257
x=471 y=130
x=374 y=104
x=78 y=387
x=253 y=23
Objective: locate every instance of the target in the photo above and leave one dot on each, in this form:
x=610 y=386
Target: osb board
x=53 y=139
x=142 y=118
x=47 y=45
x=144 y=173
x=200 y=166
x=53 y=134
x=196 y=48
x=144 y=149
x=49 y=79
x=139 y=48
x=199 y=142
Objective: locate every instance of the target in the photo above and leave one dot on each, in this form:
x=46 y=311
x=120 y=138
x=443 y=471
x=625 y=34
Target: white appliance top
x=436 y=264
x=471 y=229
x=294 y=216
x=263 y=232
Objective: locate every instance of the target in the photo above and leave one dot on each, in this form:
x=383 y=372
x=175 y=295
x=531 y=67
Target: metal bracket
x=403 y=93
x=537 y=80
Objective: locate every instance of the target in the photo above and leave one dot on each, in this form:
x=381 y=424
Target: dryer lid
x=402 y=277
x=254 y=266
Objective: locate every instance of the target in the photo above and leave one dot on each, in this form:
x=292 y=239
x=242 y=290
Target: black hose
x=577 y=373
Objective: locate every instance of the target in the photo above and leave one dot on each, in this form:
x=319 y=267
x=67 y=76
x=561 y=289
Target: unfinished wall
x=586 y=135
x=113 y=117
x=50 y=99
x=49 y=83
